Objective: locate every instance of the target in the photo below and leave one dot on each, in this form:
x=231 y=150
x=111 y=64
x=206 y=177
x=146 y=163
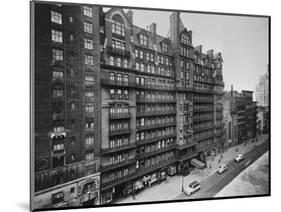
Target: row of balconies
x=155 y=152
x=118 y=51
x=119 y=131
x=118 y=164
x=118 y=148
x=148 y=127
x=120 y=115
x=156 y=113
x=143 y=100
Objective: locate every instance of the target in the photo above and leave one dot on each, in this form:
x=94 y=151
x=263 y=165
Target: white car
x=192 y=188
x=222 y=168
x=239 y=158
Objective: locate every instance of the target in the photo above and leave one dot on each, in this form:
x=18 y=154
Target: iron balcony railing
x=139 y=100
x=120 y=115
x=108 y=82
x=157 y=138
x=118 y=51
x=147 y=127
x=119 y=131
x=118 y=164
x=118 y=148
x=156 y=113
x=155 y=152
x=186 y=145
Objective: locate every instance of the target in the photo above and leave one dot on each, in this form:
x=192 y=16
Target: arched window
x=118 y=26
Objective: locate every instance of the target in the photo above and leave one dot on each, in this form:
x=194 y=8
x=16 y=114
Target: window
x=125 y=63
x=141 y=54
x=164 y=47
x=119 y=79
x=112 y=77
x=89 y=60
x=117 y=44
x=118 y=27
x=89 y=140
x=71 y=37
x=58 y=147
x=89 y=108
x=88 y=43
x=89 y=124
x=88 y=27
x=57 y=93
x=56 y=36
x=126 y=79
x=57 y=54
x=70 y=19
x=111 y=60
x=143 y=40
x=57 y=74
x=119 y=94
x=118 y=61
x=56 y=17
x=72 y=106
x=90 y=156
x=126 y=95
x=112 y=93
x=88 y=11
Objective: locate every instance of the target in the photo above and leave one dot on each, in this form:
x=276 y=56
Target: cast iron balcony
x=118 y=164
x=120 y=115
x=155 y=152
x=119 y=131
x=155 y=138
x=118 y=148
x=118 y=51
x=156 y=113
x=153 y=126
x=108 y=82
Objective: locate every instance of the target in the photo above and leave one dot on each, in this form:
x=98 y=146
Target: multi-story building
x=66 y=105
x=243 y=111
x=263 y=120
x=117 y=105
x=230 y=115
x=262 y=91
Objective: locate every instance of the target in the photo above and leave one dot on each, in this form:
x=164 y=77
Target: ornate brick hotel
x=117 y=106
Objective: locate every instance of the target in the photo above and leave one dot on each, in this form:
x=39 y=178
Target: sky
x=242 y=41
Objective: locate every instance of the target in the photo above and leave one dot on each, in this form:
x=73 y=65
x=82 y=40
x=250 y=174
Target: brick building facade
x=118 y=106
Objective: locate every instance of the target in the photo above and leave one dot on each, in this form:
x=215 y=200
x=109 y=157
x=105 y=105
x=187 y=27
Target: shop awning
x=197 y=163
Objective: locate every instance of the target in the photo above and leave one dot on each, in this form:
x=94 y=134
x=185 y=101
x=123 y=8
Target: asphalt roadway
x=215 y=182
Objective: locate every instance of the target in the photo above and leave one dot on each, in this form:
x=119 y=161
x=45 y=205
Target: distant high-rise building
x=262 y=91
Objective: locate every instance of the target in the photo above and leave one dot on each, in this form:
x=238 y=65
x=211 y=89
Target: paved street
x=214 y=183
x=171 y=188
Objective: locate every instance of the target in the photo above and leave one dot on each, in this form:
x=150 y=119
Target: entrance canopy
x=197 y=163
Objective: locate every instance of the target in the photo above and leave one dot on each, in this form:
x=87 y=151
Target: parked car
x=222 y=168
x=192 y=188
x=239 y=158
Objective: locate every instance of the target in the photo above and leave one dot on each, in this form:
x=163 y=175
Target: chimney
x=174 y=27
x=130 y=16
x=231 y=92
x=210 y=53
x=152 y=29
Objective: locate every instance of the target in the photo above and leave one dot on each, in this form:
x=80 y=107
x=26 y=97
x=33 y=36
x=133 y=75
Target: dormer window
x=164 y=47
x=185 y=39
x=143 y=40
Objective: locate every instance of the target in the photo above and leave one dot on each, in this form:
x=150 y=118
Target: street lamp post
x=182 y=179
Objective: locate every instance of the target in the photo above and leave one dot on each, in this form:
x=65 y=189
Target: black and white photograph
x=137 y=105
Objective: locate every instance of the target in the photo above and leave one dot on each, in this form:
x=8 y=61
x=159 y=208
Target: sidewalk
x=171 y=188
